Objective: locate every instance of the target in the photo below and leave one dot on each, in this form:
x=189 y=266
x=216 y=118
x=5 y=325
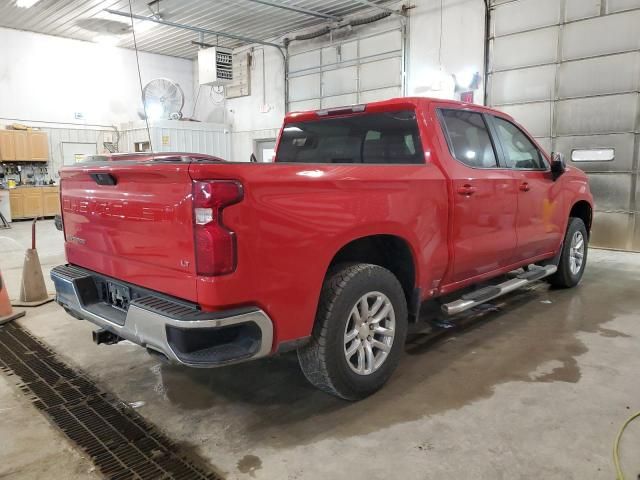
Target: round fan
x=163 y=99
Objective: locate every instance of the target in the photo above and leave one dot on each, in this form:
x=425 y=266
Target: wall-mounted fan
x=163 y=99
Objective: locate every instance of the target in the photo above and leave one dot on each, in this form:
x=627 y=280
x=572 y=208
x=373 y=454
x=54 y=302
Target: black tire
x=323 y=359
x=565 y=277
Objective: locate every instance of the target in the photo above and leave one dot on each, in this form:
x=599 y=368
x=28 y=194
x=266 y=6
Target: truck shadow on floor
x=529 y=336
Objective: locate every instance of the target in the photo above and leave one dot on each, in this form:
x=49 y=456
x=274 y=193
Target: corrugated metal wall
x=172 y=136
x=569 y=70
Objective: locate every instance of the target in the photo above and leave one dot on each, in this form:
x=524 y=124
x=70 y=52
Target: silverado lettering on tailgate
x=118 y=209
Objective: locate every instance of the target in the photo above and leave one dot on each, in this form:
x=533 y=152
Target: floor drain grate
x=118 y=440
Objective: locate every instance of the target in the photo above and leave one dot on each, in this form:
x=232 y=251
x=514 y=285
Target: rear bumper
x=173 y=328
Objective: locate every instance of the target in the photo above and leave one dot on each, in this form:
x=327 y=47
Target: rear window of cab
x=369 y=138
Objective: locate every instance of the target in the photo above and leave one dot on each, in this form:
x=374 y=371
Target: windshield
x=379 y=138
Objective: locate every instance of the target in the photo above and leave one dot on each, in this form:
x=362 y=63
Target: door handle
x=524 y=186
x=466 y=189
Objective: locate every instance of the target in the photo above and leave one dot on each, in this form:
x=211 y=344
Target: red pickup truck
x=367 y=212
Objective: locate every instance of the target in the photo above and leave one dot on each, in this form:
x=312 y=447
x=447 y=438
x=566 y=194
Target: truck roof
x=386 y=105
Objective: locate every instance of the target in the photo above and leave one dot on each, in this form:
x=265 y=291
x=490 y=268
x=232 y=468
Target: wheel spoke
x=353 y=348
x=356 y=315
x=376 y=305
x=386 y=332
x=363 y=306
x=351 y=335
x=380 y=345
x=382 y=313
x=369 y=356
x=361 y=360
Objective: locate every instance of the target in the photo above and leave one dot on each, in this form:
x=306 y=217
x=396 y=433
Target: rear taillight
x=214 y=243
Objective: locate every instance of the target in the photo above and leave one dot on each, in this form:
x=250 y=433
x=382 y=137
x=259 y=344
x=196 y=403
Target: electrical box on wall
x=215 y=66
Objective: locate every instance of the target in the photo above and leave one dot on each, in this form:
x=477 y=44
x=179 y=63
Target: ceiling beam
x=292 y=8
x=192 y=28
x=369 y=3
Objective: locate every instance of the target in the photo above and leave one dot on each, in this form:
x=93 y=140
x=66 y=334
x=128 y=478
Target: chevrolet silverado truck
x=367 y=213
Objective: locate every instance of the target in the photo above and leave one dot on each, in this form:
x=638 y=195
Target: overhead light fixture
x=108 y=40
x=468 y=78
x=26 y=3
x=142 y=26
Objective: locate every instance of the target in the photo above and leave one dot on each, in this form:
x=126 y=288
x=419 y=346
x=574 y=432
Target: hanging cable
x=135 y=46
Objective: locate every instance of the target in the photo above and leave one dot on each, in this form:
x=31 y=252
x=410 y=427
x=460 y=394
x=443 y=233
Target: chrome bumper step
x=485 y=294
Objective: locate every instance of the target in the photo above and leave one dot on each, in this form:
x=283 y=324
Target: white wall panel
x=304 y=105
x=620 y=5
x=339 y=100
x=545 y=143
x=600 y=75
x=380 y=94
x=601 y=35
x=613 y=190
x=304 y=60
x=378 y=44
x=524 y=85
x=525 y=15
x=622 y=143
x=47 y=79
x=380 y=74
x=340 y=81
x=578 y=9
x=535 y=117
x=305 y=87
x=610 y=114
x=525 y=49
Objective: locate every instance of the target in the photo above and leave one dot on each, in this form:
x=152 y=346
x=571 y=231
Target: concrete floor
x=537 y=388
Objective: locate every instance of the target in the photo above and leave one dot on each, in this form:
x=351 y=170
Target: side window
x=519 y=151
x=469 y=139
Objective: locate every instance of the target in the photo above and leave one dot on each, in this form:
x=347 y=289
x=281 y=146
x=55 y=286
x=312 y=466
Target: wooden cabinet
x=24 y=146
x=32 y=202
x=16 y=199
x=38 y=146
x=50 y=201
x=21 y=140
x=7 y=146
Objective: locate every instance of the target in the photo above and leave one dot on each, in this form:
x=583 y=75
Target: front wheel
x=359 y=333
x=573 y=258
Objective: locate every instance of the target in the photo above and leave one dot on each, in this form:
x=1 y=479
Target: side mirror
x=253 y=158
x=558 y=164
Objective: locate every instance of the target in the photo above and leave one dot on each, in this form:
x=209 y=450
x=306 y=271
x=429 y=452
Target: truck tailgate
x=139 y=229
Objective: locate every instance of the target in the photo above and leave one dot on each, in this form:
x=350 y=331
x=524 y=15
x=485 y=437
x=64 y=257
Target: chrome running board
x=485 y=294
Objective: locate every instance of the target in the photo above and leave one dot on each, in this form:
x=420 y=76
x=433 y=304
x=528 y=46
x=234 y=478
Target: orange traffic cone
x=6 y=312
x=33 y=291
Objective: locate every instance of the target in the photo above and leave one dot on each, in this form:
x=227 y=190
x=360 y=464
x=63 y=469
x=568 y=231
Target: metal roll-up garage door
x=350 y=71
x=569 y=70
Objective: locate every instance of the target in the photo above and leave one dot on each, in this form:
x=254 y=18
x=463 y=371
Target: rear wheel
x=573 y=258
x=359 y=333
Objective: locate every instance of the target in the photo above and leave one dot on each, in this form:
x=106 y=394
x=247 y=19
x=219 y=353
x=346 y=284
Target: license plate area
x=117 y=295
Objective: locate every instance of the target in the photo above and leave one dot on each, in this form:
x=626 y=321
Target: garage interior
x=536 y=384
